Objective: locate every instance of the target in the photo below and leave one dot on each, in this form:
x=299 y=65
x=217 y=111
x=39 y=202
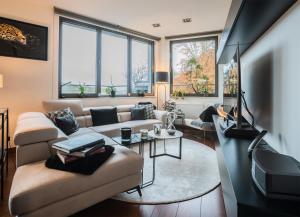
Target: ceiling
x=207 y=15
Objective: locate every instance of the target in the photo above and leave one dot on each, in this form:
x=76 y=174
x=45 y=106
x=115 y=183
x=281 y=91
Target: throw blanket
x=86 y=166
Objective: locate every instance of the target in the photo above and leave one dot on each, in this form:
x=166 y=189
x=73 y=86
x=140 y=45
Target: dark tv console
x=241 y=196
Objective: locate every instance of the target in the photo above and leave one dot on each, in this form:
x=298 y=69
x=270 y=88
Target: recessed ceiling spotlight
x=156 y=25
x=187 y=20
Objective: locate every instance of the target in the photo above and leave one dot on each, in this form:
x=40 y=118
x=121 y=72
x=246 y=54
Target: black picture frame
x=23 y=40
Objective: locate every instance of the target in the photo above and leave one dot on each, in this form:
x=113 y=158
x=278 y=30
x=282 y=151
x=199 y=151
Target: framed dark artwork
x=23 y=40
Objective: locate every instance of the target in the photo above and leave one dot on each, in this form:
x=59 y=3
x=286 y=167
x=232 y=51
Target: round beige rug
x=177 y=180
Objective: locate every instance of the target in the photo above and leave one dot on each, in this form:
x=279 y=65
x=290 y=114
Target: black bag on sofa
x=87 y=165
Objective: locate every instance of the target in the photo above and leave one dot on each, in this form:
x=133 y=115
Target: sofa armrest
x=161 y=115
x=34 y=130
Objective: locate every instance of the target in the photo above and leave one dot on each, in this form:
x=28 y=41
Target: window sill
x=99 y=97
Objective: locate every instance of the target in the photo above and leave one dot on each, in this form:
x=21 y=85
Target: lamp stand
x=157 y=94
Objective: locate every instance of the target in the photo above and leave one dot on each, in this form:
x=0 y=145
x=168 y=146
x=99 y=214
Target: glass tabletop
x=165 y=135
x=135 y=138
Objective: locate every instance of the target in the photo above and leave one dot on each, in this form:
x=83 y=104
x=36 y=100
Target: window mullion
x=129 y=65
x=98 y=76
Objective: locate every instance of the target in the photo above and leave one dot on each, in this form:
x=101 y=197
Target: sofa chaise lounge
x=39 y=191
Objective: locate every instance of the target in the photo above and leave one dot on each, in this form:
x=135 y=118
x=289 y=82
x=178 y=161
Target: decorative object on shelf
x=171 y=117
x=161 y=78
x=24 y=40
x=178 y=94
x=169 y=106
x=157 y=129
x=144 y=133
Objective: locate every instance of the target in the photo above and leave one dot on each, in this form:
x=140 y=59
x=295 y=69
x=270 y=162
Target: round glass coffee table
x=164 y=136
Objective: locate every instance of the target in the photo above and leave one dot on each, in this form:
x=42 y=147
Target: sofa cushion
x=147 y=103
x=149 y=110
x=124 y=108
x=33 y=130
x=81 y=120
x=35 y=186
x=88 y=121
x=86 y=110
x=199 y=124
x=73 y=104
x=104 y=116
x=52 y=115
x=67 y=124
x=138 y=113
x=124 y=116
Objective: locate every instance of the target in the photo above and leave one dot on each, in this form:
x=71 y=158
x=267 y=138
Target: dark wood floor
x=209 y=205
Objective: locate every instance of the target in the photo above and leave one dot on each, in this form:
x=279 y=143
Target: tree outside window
x=194 y=66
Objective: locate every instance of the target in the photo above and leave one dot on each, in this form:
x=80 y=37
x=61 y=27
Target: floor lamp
x=161 y=78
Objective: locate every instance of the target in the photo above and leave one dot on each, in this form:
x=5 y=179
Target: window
x=93 y=60
x=78 y=65
x=141 y=80
x=114 y=62
x=193 y=67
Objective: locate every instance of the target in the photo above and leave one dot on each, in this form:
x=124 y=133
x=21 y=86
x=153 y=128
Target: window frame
x=98 y=57
x=206 y=38
x=152 y=64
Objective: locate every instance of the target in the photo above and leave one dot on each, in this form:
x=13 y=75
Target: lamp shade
x=161 y=77
x=1 y=81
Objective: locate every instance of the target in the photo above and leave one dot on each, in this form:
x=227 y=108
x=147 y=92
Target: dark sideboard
x=241 y=196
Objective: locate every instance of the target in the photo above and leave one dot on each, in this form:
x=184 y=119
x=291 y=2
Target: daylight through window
x=94 y=61
x=193 y=67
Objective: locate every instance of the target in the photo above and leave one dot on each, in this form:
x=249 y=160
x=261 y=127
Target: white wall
x=28 y=82
x=277 y=53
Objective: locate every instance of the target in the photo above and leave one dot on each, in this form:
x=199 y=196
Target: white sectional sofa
x=39 y=191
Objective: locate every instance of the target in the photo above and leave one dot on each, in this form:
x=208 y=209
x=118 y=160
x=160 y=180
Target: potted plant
x=82 y=90
x=111 y=90
x=178 y=94
x=141 y=93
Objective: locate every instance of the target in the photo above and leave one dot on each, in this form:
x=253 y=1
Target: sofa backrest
x=74 y=104
x=82 y=114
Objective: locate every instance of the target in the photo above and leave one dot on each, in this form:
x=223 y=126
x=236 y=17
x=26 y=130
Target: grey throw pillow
x=63 y=114
x=149 y=110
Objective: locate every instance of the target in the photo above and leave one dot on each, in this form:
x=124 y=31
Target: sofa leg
x=138 y=188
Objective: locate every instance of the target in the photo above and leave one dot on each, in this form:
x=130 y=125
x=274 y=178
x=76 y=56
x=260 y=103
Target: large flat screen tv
x=240 y=127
